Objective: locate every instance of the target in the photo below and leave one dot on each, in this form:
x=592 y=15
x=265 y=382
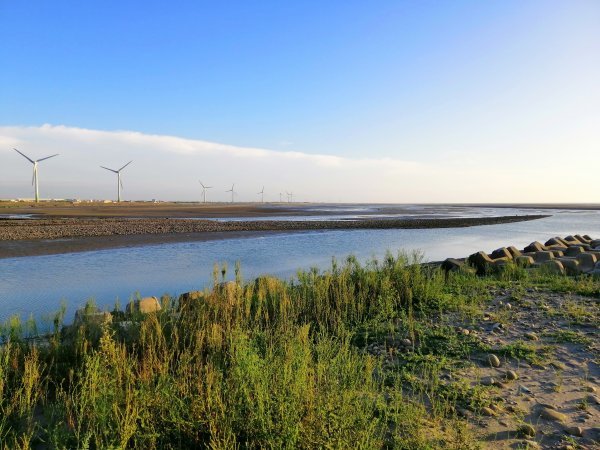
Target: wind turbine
x=119 y=182
x=262 y=195
x=232 y=192
x=34 y=180
x=280 y=197
x=204 y=188
x=290 y=196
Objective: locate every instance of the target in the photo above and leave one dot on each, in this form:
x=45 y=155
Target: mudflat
x=27 y=237
x=65 y=227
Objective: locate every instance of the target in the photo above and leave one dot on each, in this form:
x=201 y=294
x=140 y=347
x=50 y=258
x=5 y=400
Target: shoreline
x=35 y=237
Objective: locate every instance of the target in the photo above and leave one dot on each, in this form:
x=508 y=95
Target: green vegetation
x=359 y=356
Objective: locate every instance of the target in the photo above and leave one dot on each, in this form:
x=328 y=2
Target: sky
x=353 y=101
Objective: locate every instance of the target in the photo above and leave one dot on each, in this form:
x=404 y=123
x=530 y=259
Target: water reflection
x=36 y=285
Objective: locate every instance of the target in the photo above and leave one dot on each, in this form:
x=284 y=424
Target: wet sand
x=223 y=210
x=29 y=237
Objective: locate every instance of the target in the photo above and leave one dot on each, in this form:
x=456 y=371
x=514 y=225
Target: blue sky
x=480 y=83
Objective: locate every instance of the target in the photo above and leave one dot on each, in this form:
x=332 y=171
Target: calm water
x=36 y=285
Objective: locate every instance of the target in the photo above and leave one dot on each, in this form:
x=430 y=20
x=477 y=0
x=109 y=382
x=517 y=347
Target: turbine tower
x=232 y=192
x=119 y=182
x=262 y=195
x=290 y=196
x=34 y=180
x=280 y=197
x=204 y=188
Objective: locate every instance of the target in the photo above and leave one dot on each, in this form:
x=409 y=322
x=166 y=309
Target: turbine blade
x=24 y=156
x=112 y=170
x=201 y=184
x=47 y=157
x=125 y=165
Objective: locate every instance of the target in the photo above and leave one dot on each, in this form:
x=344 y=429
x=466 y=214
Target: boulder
x=229 y=288
x=571 y=266
x=571 y=240
x=587 y=261
x=501 y=253
x=573 y=250
x=582 y=239
x=145 y=305
x=554 y=266
x=554 y=241
x=587 y=237
x=596 y=270
x=481 y=261
x=514 y=251
x=524 y=261
x=91 y=315
x=543 y=256
x=452 y=265
x=187 y=299
x=534 y=247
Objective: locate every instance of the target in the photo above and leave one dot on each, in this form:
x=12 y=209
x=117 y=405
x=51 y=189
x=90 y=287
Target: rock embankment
x=571 y=255
x=30 y=229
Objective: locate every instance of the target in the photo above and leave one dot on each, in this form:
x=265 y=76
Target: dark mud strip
x=52 y=236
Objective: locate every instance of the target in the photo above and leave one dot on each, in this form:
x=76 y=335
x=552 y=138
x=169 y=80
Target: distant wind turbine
x=280 y=197
x=290 y=196
x=119 y=182
x=232 y=192
x=262 y=195
x=34 y=180
x=204 y=188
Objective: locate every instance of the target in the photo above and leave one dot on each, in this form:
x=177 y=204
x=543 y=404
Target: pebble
x=511 y=375
x=487 y=411
x=593 y=400
x=493 y=360
x=531 y=336
x=524 y=389
x=527 y=443
x=508 y=306
x=574 y=431
x=527 y=430
x=462 y=412
x=551 y=414
x=548 y=405
x=488 y=381
x=406 y=342
x=558 y=365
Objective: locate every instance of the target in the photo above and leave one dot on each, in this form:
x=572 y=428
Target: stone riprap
x=572 y=255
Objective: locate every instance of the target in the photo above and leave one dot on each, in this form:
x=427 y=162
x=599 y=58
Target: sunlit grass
x=263 y=364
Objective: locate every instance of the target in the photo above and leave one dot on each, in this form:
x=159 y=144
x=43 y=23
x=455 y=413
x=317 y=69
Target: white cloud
x=169 y=167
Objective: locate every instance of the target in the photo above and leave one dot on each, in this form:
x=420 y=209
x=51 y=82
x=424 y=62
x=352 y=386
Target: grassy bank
x=384 y=355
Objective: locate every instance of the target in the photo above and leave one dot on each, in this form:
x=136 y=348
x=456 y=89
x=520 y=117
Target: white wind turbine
x=290 y=196
x=119 y=182
x=34 y=180
x=232 y=192
x=262 y=195
x=204 y=188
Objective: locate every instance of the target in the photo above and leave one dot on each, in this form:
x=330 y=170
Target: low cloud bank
x=168 y=168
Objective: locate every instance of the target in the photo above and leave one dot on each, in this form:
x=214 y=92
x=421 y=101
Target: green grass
x=263 y=364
